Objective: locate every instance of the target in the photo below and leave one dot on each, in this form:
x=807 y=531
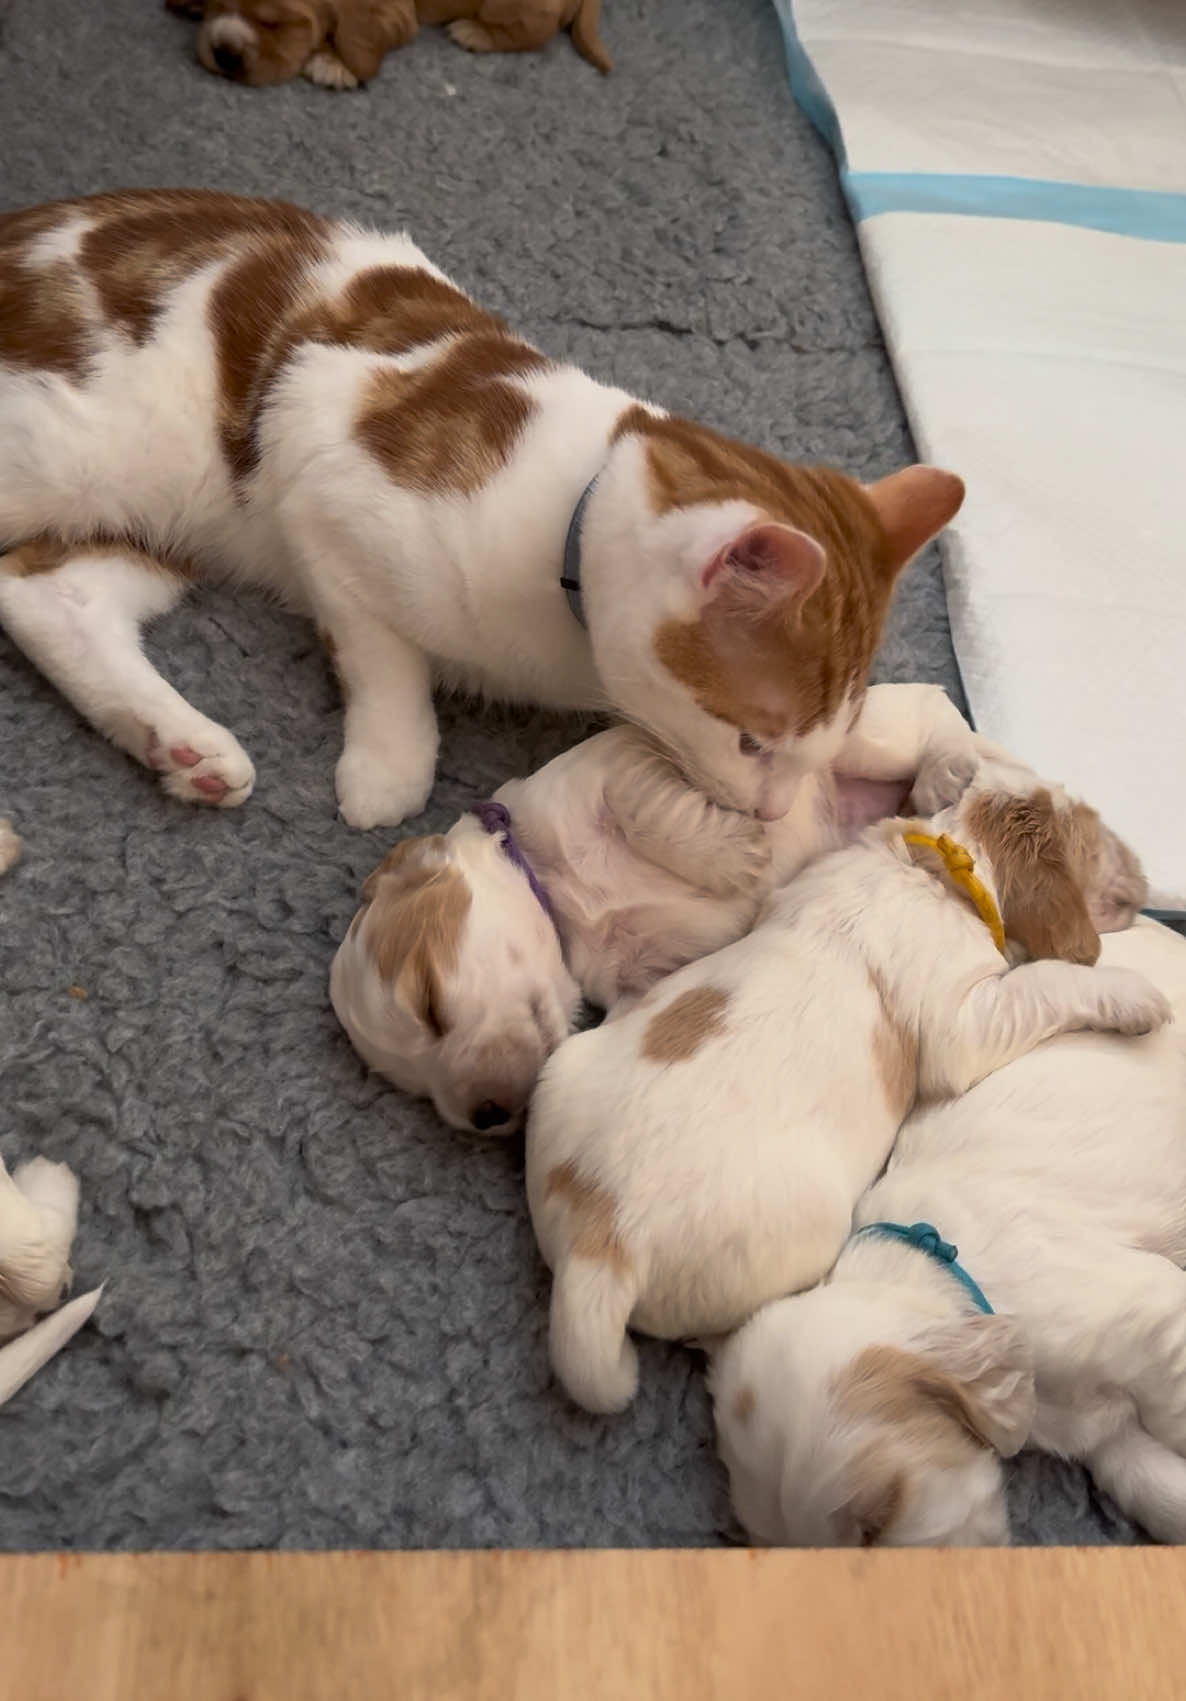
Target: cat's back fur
x=205 y=383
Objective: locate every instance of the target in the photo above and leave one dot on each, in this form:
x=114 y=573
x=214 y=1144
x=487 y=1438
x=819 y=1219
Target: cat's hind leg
x=77 y=613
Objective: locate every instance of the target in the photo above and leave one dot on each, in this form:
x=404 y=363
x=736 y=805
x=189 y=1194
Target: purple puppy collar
x=496 y=818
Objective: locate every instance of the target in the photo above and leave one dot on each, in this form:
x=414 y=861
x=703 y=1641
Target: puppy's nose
x=489 y=1115
x=229 y=59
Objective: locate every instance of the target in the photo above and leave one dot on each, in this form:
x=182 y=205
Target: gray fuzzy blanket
x=325 y=1318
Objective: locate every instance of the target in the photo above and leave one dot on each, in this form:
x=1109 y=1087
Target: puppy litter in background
x=262 y=42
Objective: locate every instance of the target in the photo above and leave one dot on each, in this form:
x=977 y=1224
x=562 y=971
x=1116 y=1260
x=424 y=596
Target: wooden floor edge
x=517 y=1625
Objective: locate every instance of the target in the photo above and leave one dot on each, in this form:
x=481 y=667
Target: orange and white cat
x=194 y=384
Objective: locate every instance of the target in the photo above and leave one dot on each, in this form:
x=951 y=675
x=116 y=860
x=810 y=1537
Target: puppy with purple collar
x=595 y=877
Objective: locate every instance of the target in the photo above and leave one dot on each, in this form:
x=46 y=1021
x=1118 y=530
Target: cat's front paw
x=944 y=775
x=371 y=794
x=1130 y=1004
x=199 y=762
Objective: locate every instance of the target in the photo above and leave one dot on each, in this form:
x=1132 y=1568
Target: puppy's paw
x=1129 y=1004
x=471 y=35
x=328 y=72
x=943 y=777
x=372 y=794
x=10 y=846
x=49 y=1186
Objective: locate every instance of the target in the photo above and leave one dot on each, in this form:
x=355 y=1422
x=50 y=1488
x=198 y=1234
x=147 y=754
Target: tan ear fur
x=969 y=1382
x=913 y=506
x=1029 y=842
x=1113 y=880
x=364 y=31
x=416 y=905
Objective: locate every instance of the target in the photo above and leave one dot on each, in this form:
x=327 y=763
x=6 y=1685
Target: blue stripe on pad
x=1151 y=215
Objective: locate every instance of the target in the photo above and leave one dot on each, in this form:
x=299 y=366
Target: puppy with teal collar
x=877 y=1408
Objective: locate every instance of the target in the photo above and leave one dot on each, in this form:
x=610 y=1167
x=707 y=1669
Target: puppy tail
x=592 y=1299
x=586 y=28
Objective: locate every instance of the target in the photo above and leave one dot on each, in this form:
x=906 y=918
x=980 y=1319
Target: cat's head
x=738 y=601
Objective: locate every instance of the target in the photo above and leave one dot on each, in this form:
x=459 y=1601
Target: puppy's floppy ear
x=1038 y=874
x=1113 y=880
x=980 y=1372
x=410 y=863
x=365 y=30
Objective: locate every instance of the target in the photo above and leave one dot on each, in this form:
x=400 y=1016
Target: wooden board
x=1039 y=1625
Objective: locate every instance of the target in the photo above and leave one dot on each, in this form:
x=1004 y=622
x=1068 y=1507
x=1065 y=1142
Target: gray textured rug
x=325 y=1319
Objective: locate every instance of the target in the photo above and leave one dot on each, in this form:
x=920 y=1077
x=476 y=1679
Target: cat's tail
x=592 y=1299
x=586 y=35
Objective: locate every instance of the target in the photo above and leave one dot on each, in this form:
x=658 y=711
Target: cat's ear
x=764 y=565
x=913 y=505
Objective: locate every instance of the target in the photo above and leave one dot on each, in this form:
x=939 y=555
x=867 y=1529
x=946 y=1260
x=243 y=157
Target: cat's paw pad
x=328 y=72
x=201 y=764
x=371 y=795
x=1130 y=1004
x=943 y=777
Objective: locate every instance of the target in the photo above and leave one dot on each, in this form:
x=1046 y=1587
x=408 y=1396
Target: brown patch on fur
x=1030 y=844
x=819 y=653
x=145 y=242
x=927 y=1410
x=252 y=310
x=42 y=318
x=416 y=909
x=451 y=425
x=895 y=1052
x=744 y=1404
x=593 y=1214
x=677 y=1032
x=46 y=553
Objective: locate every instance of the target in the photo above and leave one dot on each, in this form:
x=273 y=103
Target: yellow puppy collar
x=961 y=868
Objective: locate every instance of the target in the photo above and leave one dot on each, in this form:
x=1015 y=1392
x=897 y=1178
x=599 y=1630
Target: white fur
x=411 y=587
x=729 y=1176
x=1062 y=1180
x=38 y=1213
x=644 y=875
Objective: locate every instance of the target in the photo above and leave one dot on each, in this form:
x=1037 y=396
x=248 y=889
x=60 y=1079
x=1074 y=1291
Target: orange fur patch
x=451 y=425
x=817 y=655
x=677 y=1032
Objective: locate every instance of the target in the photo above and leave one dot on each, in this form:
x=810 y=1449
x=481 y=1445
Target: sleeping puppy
x=877 y=1408
x=701 y=1155
x=598 y=875
x=342 y=43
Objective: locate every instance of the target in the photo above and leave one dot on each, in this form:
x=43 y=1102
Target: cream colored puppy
x=598 y=875
x=876 y=1408
x=702 y=1154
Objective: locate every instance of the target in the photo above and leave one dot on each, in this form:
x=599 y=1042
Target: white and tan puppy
x=702 y=1154
x=875 y=1408
x=598 y=875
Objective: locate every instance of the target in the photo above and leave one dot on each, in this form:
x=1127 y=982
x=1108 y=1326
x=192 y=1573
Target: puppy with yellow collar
x=701 y=1154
